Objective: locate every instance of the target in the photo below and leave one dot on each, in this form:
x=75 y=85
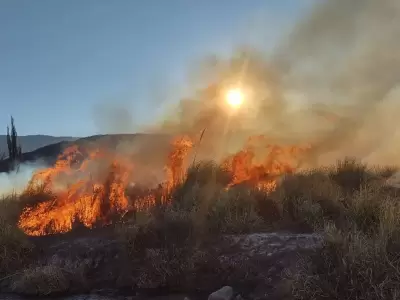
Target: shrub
x=385 y=172
x=363 y=208
x=350 y=174
x=168 y=228
x=359 y=261
x=35 y=193
x=15 y=247
x=41 y=280
x=234 y=211
x=351 y=265
x=203 y=177
x=309 y=198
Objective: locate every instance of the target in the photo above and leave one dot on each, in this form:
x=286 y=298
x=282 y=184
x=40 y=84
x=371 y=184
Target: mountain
x=48 y=154
x=33 y=142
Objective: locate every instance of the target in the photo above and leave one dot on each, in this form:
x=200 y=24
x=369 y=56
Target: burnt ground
x=252 y=264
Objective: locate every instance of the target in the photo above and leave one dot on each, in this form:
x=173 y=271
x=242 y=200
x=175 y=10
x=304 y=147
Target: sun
x=234 y=97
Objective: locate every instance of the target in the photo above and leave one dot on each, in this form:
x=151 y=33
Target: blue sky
x=60 y=60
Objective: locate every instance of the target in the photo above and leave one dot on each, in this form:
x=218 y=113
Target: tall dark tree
x=14 y=150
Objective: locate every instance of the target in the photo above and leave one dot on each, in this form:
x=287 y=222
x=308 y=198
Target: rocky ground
x=260 y=257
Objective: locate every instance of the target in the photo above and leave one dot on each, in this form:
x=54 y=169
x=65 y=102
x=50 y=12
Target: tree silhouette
x=14 y=150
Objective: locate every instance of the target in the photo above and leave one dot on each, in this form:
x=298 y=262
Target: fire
x=95 y=187
x=261 y=164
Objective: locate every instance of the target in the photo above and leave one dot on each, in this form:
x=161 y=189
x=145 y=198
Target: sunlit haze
x=74 y=67
x=234 y=97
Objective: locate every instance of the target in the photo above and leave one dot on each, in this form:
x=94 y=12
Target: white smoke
x=16 y=181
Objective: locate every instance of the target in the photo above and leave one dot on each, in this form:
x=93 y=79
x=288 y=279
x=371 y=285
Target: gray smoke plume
x=332 y=83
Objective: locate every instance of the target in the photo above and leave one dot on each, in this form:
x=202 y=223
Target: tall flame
x=80 y=194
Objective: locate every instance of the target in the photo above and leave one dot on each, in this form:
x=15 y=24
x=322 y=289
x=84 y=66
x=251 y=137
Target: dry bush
x=359 y=260
x=51 y=277
x=203 y=177
x=165 y=268
x=350 y=174
x=384 y=172
x=215 y=209
x=161 y=252
x=15 y=248
x=169 y=228
x=309 y=198
x=165 y=250
x=41 y=280
x=236 y=211
x=363 y=208
x=351 y=265
x=36 y=193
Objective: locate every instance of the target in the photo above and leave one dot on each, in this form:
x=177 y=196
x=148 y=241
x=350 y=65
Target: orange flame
x=262 y=170
x=81 y=195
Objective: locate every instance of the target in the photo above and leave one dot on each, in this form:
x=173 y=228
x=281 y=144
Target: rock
x=186 y=298
x=225 y=293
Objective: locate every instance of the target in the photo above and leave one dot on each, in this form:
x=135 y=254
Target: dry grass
x=171 y=238
x=54 y=276
x=360 y=257
x=14 y=246
x=41 y=280
x=348 y=203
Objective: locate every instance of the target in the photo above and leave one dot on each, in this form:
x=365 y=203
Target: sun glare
x=234 y=98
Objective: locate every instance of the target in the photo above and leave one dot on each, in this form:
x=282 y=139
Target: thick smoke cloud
x=333 y=84
x=344 y=58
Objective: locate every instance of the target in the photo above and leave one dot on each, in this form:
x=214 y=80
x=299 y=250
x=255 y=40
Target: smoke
x=332 y=83
x=16 y=181
x=113 y=118
x=344 y=58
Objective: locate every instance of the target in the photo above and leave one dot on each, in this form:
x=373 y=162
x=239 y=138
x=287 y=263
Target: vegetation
x=15 y=248
x=14 y=150
x=360 y=221
x=349 y=204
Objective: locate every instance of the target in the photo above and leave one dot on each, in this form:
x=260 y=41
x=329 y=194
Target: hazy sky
x=61 y=62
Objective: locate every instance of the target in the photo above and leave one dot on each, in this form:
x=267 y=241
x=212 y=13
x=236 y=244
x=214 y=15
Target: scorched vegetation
x=350 y=204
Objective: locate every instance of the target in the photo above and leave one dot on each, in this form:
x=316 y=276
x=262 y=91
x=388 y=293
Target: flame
x=263 y=169
x=94 y=187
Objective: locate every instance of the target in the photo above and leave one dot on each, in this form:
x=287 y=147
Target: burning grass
x=169 y=226
x=95 y=188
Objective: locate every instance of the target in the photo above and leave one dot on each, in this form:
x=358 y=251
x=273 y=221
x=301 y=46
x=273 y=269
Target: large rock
x=225 y=293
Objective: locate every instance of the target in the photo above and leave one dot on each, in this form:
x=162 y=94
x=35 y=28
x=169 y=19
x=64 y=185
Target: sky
x=66 y=65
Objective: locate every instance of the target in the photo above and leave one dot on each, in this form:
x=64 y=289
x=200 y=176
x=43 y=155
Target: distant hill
x=33 y=142
x=49 y=153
